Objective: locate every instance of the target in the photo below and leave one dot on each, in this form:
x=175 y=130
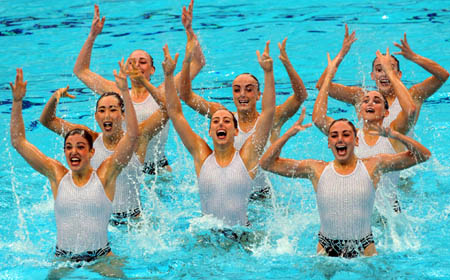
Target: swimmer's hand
x=405 y=49
x=386 y=62
x=348 y=41
x=265 y=60
x=97 y=23
x=377 y=130
x=19 y=88
x=133 y=72
x=169 y=64
x=283 y=54
x=298 y=126
x=63 y=92
x=121 y=77
x=186 y=18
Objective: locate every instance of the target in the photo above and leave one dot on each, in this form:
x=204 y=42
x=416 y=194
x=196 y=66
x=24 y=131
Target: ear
x=259 y=95
x=236 y=132
x=386 y=113
x=91 y=153
x=356 y=141
x=399 y=73
x=372 y=75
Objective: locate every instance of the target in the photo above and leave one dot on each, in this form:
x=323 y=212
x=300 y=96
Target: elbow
x=426 y=155
x=412 y=113
x=445 y=76
x=264 y=163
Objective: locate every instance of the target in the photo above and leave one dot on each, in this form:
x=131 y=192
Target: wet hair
x=116 y=95
x=151 y=58
x=235 y=122
x=343 y=120
x=251 y=75
x=386 y=103
x=83 y=133
x=398 y=62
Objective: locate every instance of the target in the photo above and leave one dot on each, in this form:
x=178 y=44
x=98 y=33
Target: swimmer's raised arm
x=286 y=110
x=51 y=121
x=82 y=69
x=425 y=89
x=189 y=97
x=271 y=160
x=110 y=168
x=406 y=118
x=196 y=146
x=319 y=116
x=49 y=167
x=198 y=59
x=347 y=94
x=383 y=163
x=253 y=147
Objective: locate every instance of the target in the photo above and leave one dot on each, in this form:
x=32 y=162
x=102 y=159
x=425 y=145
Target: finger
x=284 y=43
x=96 y=11
x=302 y=115
x=329 y=58
x=307 y=125
x=11 y=86
x=166 y=51
x=267 y=49
x=258 y=54
x=280 y=47
x=191 y=7
x=346 y=30
x=175 y=59
x=387 y=52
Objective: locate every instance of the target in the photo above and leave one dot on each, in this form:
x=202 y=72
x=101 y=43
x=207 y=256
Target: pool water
x=173 y=240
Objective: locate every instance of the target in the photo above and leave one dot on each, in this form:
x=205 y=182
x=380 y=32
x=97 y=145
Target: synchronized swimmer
x=102 y=182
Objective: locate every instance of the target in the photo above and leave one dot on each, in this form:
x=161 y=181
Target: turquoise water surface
x=173 y=241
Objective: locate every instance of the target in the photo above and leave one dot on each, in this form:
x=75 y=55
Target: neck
x=111 y=141
x=138 y=91
x=248 y=117
x=81 y=177
x=346 y=166
x=224 y=154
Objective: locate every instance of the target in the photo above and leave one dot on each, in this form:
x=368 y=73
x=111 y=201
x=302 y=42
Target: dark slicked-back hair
x=343 y=120
x=251 y=75
x=116 y=95
x=398 y=62
x=83 y=133
x=235 y=122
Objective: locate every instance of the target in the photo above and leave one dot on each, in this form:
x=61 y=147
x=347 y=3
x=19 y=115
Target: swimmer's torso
x=224 y=191
x=345 y=203
x=82 y=215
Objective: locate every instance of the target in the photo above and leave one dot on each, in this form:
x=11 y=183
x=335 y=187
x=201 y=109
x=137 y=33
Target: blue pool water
x=44 y=38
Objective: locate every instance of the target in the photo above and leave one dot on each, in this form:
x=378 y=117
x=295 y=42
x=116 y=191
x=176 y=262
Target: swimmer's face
x=372 y=107
x=380 y=77
x=342 y=141
x=77 y=152
x=109 y=115
x=143 y=62
x=245 y=93
x=222 y=129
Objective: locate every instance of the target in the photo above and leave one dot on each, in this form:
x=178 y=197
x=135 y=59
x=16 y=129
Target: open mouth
x=341 y=150
x=75 y=161
x=107 y=126
x=243 y=101
x=221 y=134
x=370 y=110
x=385 y=82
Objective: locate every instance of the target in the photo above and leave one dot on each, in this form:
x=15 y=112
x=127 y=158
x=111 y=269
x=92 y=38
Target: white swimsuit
x=128 y=183
x=345 y=203
x=386 y=194
x=82 y=215
x=224 y=191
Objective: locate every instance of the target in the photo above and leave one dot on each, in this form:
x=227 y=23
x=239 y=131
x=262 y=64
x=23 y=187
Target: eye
x=236 y=89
